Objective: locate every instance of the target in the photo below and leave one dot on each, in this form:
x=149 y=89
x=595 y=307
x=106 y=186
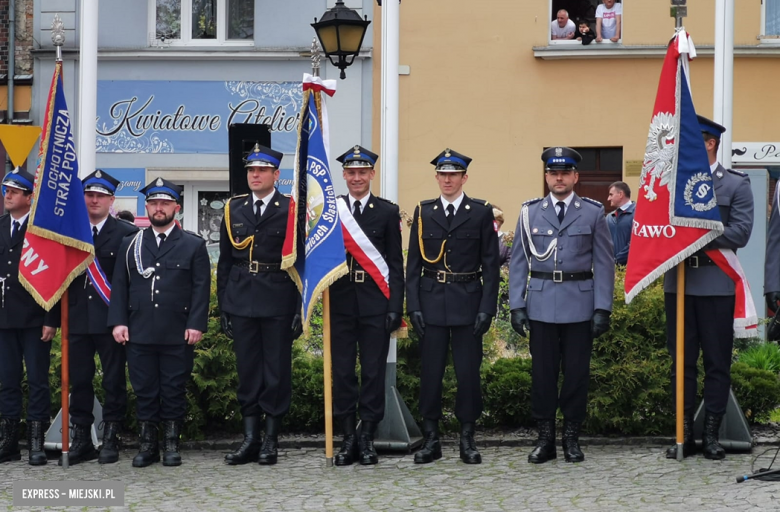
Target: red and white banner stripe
x=745 y=317
x=361 y=248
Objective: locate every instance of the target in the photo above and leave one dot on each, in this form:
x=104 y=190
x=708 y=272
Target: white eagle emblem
x=659 y=153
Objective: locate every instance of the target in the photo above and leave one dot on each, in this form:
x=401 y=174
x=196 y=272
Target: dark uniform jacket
x=471 y=246
x=263 y=294
x=381 y=223
x=18 y=309
x=180 y=300
x=87 y=312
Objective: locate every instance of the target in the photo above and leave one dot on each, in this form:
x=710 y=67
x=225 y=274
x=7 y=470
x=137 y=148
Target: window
x=770 y=21
x=202 y=22
x=582 y=10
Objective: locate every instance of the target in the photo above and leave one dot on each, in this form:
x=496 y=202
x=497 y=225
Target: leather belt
x=699 y=260
x=451 y=277
x=560 y=276
x=358 y=276
x=255 y=266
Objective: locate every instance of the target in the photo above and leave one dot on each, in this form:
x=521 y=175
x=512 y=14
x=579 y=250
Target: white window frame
x=186 y=28
x=764 y=38
x=574 y=42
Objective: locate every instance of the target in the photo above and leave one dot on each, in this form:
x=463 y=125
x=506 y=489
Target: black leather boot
x=9 y=440
x=109 y=451
x=36 y=430
x=368 y=454
x=149 y=452
x=269 y=450
x=171 y=435
x=431 y=448
x=249 y=451
x=710 y=445
x=349 y=447
x=468 y=448
x=81 y=449
x=545 y=444
x=571 y=442
x=689 y=443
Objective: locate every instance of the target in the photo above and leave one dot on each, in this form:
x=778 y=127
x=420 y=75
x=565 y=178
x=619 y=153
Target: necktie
x=15 y=230
x=561 y=210
x=357 y=212
x=258 y=209
x=94 y=233
x=161 y=237
x=450 y=214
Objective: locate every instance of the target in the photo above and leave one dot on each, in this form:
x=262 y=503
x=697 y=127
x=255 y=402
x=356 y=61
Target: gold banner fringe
x=330 y=278
x=47 y=305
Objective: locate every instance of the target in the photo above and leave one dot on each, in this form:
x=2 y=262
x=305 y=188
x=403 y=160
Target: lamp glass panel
x=329 y=39
x=351 y=37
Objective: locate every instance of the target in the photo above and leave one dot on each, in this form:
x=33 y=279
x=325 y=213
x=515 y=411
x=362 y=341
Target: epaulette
x=125 y=221
x=738 y=173
x=193 y=233
x=532 y=201
x=385 y=200
x=285 y=195
x=429 y=201
x=240 y=196
x=480 y=202
x=592 y=201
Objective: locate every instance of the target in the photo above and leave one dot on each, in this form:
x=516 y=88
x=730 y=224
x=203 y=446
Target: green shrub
x=506 y=389
x=765 y=356
x=757 y=390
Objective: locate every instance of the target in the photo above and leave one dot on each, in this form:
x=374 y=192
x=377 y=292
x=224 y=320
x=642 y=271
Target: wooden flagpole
x=680 y=348
x=65 y=332
x=326 y=370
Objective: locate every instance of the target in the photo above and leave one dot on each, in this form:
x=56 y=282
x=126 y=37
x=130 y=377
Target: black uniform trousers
x=17 y=345
x=159 y=375
x=709 y=325
x=466 y=357
x=82 y=349
x=368 y=333
x=556 y=348
x=263 y=348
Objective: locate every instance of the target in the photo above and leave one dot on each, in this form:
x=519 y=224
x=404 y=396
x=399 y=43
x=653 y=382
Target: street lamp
x=341 y=31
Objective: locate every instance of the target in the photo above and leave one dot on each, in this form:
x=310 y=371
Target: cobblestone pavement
x=612 y=477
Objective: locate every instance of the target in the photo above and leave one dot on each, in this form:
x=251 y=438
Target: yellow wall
x=476 y=87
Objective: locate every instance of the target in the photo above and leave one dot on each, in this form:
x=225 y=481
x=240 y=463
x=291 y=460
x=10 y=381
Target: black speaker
x=242 y=137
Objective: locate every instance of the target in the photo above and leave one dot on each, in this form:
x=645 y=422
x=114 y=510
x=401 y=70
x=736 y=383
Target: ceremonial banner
x=676 y=211
x=313 y=252
x=58 y=243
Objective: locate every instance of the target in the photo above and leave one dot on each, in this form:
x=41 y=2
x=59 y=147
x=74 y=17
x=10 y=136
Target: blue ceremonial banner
x=314 y=225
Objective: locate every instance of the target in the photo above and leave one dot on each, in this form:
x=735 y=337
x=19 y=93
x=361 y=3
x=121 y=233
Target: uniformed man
x=260 y=304
x=567 y=252
x=452 y=290
x=159 y=310
x=709 y=304
x=25 y=332
x=366 y=306
x=90 y=334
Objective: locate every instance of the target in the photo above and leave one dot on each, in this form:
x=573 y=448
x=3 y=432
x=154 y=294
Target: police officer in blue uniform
x=159 y=310
x=90 y=334
x=26 y=330
x=452 y=295
x=567 y=252
x=709 y=304
x=260 y=305
x=361 y=314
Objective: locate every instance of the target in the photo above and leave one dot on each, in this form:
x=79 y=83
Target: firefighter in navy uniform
x=361 y=315
x=90 y=334
x=260 y=305
x=452 y=294
x=26 y=330
x=159 y=310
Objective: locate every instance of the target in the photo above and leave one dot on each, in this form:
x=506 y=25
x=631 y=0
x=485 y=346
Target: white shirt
x=99 y=225
x=609 y=19
x=19 y=220
x=625 y=206
x=363 y=201
x=713 y=167
x=167 y=234
x=455 y=203
x=566 y=202
x=266 y=200
x=562 y=33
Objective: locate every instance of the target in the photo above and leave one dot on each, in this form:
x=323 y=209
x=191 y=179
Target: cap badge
x=98 y=174
x=159 y=182
x=447 y=153
x=357 y=150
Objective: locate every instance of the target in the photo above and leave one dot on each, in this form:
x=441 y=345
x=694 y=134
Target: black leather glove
x=227 y=325
x=417 y=322
x=600 y=322
x=771 y=301
x=297 y=326
x=482 y=324
x=392 y=321
x=520 y=321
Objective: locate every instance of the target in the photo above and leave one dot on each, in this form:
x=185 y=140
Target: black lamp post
x=341 y=31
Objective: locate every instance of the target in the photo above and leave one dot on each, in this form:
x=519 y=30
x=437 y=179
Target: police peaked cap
x=19 y=179
x=560 y=159
x=358 y=156
x=162 y=189
x=100 y=181
x=710 y=127
x=451 y=161
x=262 y=156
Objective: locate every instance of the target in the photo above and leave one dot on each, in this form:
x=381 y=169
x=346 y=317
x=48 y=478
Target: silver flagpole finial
x=58 y=35
x=315 y=57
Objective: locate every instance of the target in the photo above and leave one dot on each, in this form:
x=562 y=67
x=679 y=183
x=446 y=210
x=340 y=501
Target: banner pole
x=65 y=332
x=326 y=370
x=680 y=348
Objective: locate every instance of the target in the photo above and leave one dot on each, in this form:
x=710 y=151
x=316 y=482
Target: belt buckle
x=441 y=276
x=693 y=262
x=557 y=276
x=360 y=276
x=254 y=267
